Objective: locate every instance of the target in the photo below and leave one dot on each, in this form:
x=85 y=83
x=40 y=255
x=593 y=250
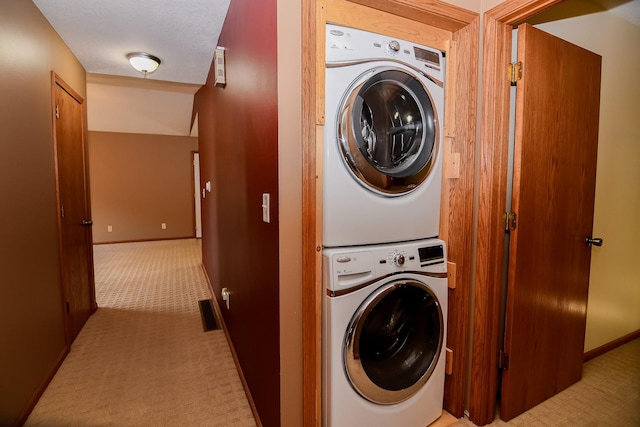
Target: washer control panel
x=344 y=268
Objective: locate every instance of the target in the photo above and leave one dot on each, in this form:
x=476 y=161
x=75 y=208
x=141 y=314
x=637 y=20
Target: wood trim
x=361 y=16
x=144 y=240
x=37 y=394
x=458 y=207
x=498 y=23
x=514 y=12
x=57 y=80
x=93 y=304
x=437 y=14
x=220 y=319
x=319 y=58
x=311 y=294
x=599 y=351
x=63 y=292
x=490 y=234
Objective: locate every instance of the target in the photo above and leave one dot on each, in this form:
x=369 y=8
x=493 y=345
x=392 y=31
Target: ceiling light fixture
x=144 y=62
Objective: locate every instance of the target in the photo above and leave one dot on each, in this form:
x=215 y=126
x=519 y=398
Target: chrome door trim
x=349 y=142
x=354 y=369
x=338 y=64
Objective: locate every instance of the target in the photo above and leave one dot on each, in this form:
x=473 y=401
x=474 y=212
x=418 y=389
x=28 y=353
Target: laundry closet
x=394 y=155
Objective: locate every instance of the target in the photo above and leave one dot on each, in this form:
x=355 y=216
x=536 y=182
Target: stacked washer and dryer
x=384 y=269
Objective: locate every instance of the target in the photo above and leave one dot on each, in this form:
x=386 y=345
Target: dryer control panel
x=344 y=44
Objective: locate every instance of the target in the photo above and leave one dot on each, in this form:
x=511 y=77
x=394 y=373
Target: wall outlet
x=109 y=228
x=163 y=225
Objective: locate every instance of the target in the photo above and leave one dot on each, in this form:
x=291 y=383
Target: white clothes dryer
x=384 y=318
x=382 y=166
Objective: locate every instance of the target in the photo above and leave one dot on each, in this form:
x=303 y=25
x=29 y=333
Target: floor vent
x=208 y=315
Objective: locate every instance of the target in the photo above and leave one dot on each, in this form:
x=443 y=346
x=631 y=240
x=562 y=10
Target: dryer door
x=393 y=341
x=387 y=131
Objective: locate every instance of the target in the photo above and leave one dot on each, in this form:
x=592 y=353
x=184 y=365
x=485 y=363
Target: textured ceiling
x=627 y=9
x=182 y=33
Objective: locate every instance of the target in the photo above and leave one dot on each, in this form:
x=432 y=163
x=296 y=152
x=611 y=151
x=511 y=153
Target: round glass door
x=393 y=342
x=387 y=131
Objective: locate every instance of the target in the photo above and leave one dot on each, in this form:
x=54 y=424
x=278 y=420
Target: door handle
x=594 y=241
x=87 y=222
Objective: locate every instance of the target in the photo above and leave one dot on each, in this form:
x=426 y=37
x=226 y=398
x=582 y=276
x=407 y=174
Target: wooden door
x=557 y=109
x=74 y=217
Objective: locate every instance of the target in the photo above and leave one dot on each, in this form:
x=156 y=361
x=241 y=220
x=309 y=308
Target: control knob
x=399 y=260
x=394 y=46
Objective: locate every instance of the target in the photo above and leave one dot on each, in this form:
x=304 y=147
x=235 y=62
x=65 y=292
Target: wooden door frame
x=57 y=80
x=498 y=25
x=461 y=28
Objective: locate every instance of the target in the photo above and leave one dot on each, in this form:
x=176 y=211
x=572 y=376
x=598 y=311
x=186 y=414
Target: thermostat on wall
x=218 y=61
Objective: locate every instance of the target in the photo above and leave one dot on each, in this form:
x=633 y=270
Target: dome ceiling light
x=144 y=62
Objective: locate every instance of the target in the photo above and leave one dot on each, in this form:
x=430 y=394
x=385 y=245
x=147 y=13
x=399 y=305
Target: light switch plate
x=266 y=207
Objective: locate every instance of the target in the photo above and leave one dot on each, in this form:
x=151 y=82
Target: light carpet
x=607 y=396
x=143 y=358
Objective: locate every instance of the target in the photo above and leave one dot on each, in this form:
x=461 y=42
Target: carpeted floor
x=143 y=358
x=607 y=395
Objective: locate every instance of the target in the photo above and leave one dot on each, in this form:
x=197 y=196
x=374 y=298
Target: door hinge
x=57 y=112
x=515 y=72
x=62 y=212
x=510 y=221
x=68 y=307
x=503 y=360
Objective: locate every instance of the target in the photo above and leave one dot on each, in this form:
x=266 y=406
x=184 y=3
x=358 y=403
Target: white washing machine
x=384 y=318
x=382 y=166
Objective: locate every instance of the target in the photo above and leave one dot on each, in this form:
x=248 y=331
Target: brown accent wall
x=239 y=155
x=138 y=182
x=32 y=342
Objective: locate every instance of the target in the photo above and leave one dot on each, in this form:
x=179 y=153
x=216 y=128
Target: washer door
x=387 y=131
x=393 y=342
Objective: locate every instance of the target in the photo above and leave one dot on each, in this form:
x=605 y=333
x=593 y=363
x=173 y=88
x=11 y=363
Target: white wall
x=614 y=294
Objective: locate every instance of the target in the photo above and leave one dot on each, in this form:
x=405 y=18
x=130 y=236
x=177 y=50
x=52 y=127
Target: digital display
x=426 y=56
x=431 y=253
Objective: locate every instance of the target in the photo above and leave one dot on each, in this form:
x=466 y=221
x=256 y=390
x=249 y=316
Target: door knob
x=87 y=222
x=594 y=241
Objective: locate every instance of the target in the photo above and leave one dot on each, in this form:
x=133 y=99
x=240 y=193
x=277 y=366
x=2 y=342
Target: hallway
x=143 y=358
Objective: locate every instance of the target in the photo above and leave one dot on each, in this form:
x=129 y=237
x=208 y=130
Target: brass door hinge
x=510 y=221
x=515 y=72
x=57 y=112
x=503 y=360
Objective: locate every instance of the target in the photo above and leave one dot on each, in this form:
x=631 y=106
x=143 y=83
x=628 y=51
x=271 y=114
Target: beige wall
x=290 y=191
x=138 y=182
x=614 y=288
x=31 y=325
x=135 y=105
